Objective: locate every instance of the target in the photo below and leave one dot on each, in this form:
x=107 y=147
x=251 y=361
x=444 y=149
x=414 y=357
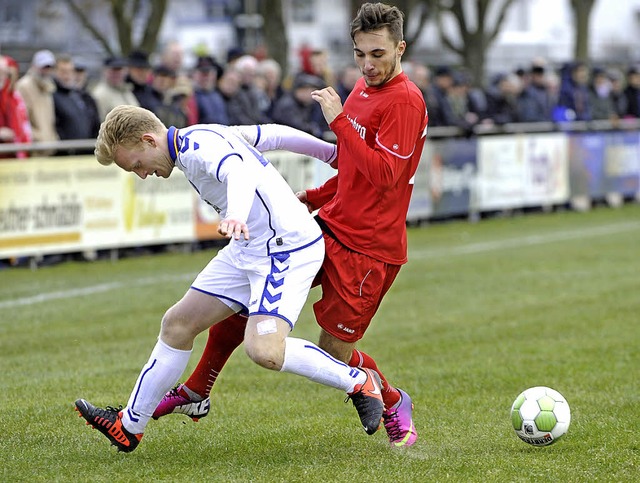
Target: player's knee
x=175 y=328
x=264 y=353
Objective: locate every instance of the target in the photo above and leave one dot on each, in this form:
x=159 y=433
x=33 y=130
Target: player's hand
x=233 y=228
x=329 y=101
x=302 y=196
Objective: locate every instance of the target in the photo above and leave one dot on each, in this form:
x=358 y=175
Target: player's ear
x=147 y=138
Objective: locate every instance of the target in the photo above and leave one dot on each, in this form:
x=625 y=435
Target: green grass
x=481 y=312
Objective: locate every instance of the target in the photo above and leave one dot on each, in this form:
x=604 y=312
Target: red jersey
x=381 y=133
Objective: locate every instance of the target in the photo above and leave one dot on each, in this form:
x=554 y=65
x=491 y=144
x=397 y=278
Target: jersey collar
x=173 y=141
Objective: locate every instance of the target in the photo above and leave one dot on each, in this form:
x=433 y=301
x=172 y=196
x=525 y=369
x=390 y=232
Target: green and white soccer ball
x=540 y=416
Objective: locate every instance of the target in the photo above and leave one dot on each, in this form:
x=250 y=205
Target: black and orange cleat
x=109 y=422
x=367 y=398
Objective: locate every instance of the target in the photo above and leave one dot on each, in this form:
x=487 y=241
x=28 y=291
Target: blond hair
x=124 y=126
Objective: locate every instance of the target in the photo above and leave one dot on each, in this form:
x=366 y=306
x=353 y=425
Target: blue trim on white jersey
x=258 y=136
x=266 y=208
x=300 y=248
x=222 y=161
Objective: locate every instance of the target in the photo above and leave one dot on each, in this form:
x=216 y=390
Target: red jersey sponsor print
x=381 y=133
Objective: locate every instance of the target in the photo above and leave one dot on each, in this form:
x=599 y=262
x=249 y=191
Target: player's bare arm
x=329 y=101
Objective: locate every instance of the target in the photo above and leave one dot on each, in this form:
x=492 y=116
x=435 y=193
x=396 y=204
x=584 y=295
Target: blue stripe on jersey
x=273 y=231
x=258 y=136
x=222 y=161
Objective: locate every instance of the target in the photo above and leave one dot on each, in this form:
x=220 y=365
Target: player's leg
x=267 y=344
x=280 y=285
x=181 y=323
x=192 y=397
x=350 y=298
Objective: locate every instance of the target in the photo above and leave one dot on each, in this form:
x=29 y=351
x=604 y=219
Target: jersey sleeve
x=269 y=137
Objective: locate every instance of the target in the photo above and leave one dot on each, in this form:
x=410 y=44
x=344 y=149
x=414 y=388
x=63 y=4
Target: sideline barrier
x=70 y=204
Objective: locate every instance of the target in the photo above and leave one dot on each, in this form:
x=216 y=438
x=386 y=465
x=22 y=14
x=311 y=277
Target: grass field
x=481 y=312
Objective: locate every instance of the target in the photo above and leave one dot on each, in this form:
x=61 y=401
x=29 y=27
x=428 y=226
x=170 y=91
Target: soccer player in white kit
x=266 y=270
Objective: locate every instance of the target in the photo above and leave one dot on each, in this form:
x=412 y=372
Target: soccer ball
x=540 y=416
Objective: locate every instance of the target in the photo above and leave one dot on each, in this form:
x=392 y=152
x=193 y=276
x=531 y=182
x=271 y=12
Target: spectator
x=466 y=110
x=14 y=119
x=72 y=117
x=81 y=85
x=536 y=101
x=316 y=62
x=573 y=100
x=617 y=92
x=600 y=99
x=632 y=92
x=139 y=76
x=297 y=108
x=245 y=106
x=440 y=112
x=270 y=72
x=229 y=86
x=36 y=88
x=502 y=104
x=113 y=90
x=171 y=110
x=347 y=78
x=210 y=103
x=173 y=57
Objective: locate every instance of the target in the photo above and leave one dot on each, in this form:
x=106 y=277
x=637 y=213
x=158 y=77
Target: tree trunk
x=581 y=13
x=275 y=32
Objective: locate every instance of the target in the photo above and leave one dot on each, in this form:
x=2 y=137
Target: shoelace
x=392 y=425
x=108 y=412
x=174 y=393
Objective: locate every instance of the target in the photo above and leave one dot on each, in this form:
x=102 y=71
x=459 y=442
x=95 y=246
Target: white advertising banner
x=546 y=169
x=55 y=205
x=518 y=170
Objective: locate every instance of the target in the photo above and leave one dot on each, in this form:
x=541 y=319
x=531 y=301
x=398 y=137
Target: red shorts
x=353 y=285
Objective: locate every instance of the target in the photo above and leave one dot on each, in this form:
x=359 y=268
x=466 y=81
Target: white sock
x=307 y=359
x=160 y=374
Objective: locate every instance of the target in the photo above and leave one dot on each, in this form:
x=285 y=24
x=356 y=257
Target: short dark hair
x=374 y=16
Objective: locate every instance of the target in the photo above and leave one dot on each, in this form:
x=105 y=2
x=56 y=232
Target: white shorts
x=272 y=285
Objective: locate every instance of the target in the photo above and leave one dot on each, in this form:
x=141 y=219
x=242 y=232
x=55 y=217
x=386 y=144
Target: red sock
x=224 y=338
x=390 y=394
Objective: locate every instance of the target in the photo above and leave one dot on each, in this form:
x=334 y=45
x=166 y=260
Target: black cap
x=537 y=69
x=308 y=80
x=443 y=70
x=163 y=70
x=138 y=58
x=115 y=62
x=206 y=63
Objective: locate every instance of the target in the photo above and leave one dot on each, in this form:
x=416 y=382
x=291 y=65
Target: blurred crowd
x=537 y=93
x=57 y=99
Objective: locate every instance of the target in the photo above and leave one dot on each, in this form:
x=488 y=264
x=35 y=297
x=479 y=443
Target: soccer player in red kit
x=380 y=132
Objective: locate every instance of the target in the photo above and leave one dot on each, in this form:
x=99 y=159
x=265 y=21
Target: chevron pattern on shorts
x=273 y=288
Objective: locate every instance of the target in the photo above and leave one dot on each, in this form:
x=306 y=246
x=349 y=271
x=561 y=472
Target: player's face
x=145 y=159
x=377 y=56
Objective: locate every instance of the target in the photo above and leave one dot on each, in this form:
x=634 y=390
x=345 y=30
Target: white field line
x=426 y=253
x=518 y=242
x=90 y=290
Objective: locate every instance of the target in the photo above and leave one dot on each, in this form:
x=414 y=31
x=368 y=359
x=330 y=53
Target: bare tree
x=581 y=14
x=274 y=30
x=124 y=14
x=475 y=34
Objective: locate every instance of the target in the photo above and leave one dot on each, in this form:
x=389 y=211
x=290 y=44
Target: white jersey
x=239 y=182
